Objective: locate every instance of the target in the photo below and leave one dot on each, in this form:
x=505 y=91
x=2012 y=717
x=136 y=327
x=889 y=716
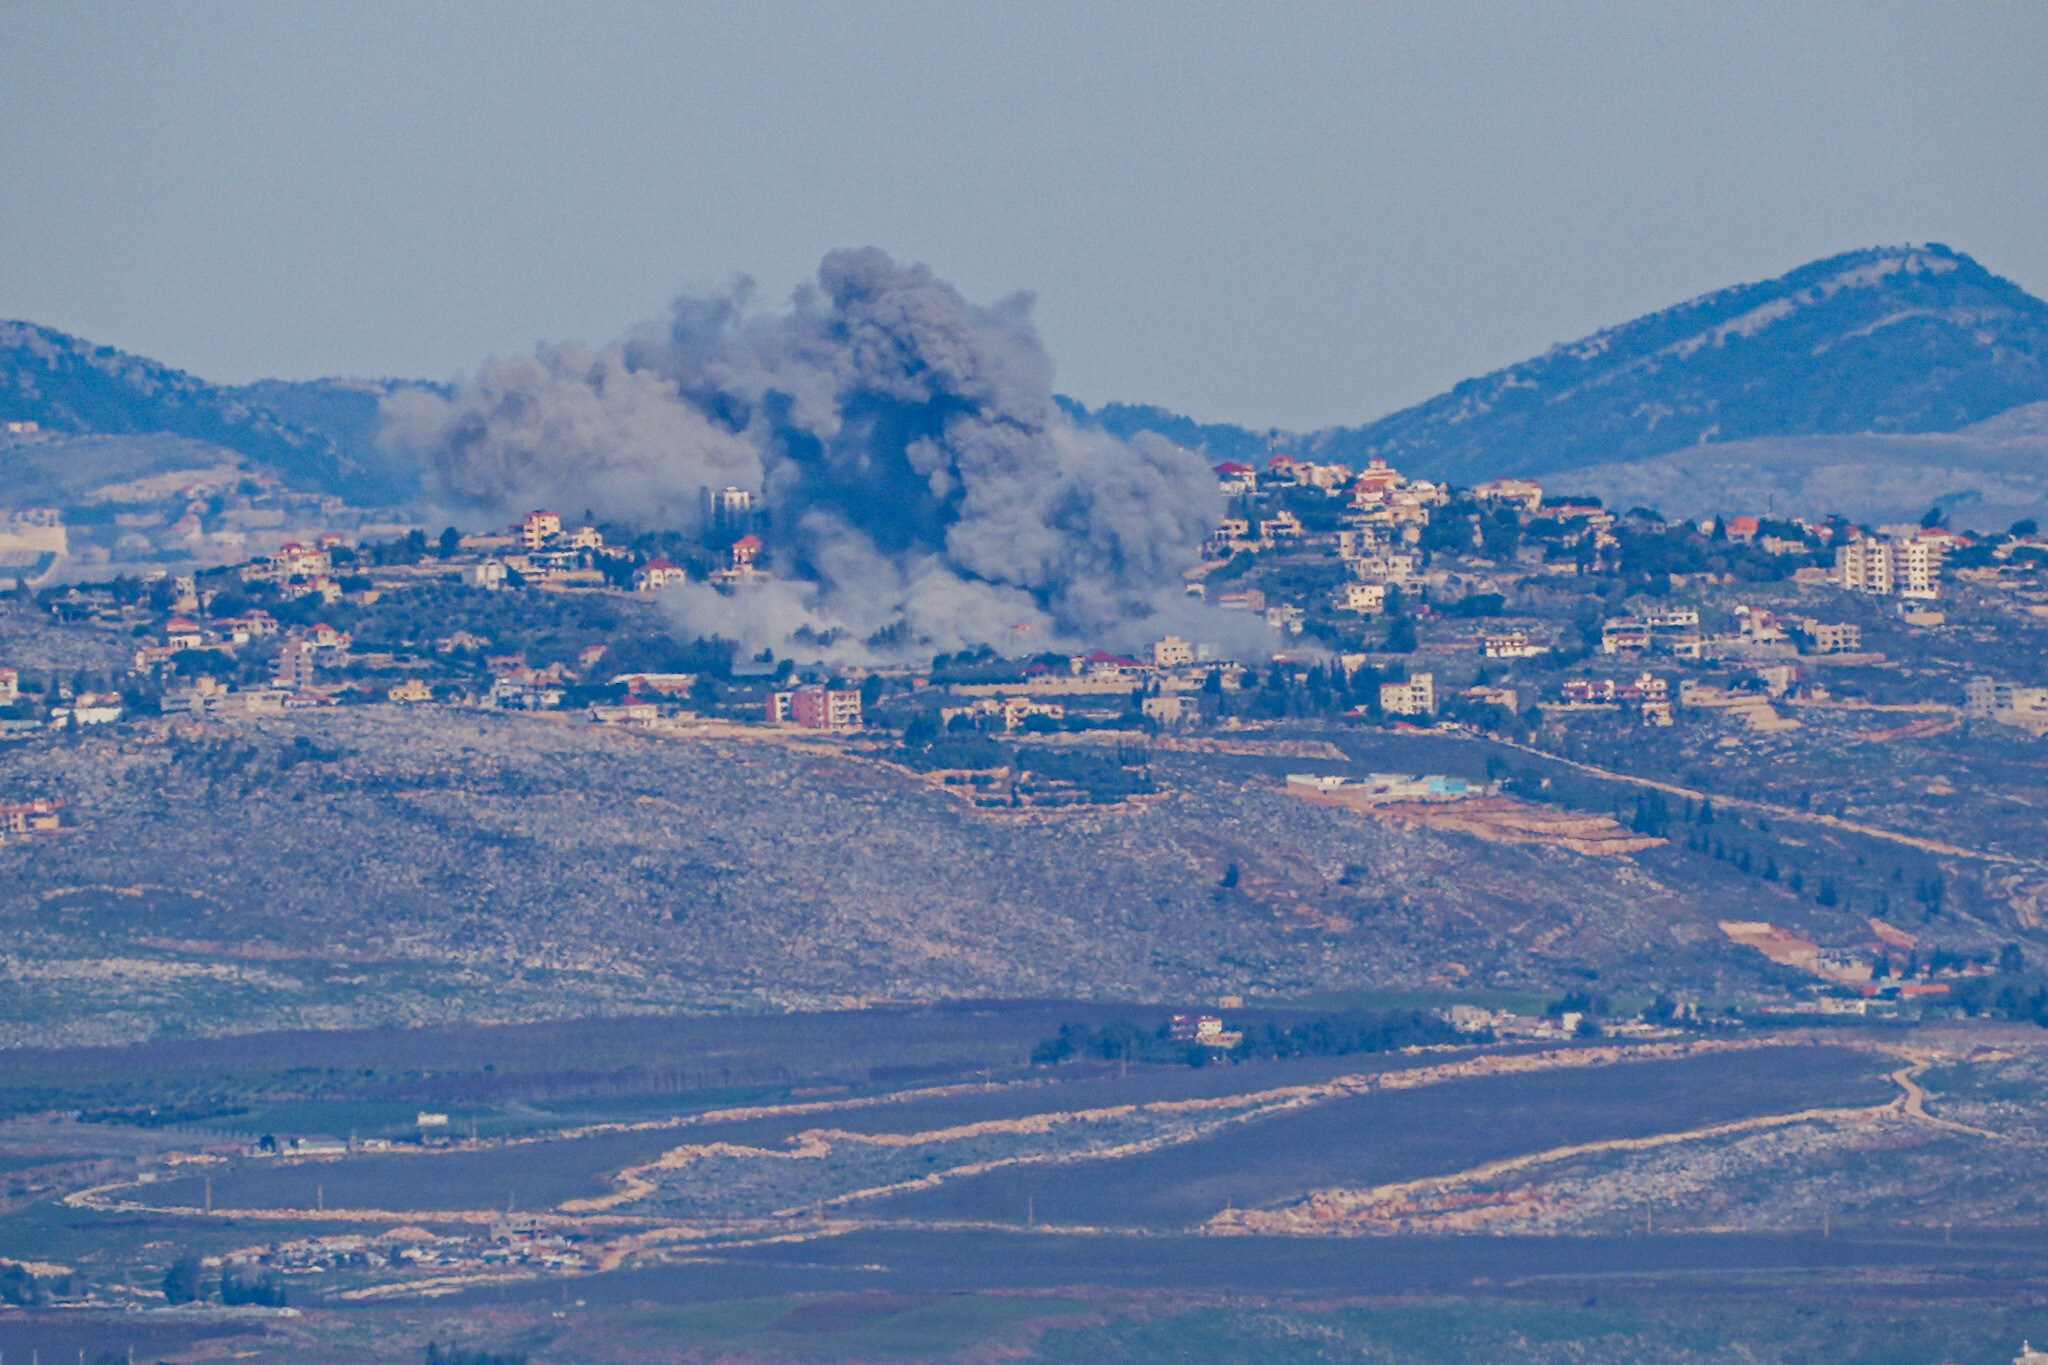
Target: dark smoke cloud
x=924 y=491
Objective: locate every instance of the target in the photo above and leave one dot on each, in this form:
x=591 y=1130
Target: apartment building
x=1907 y=567
x=1514 y=644
x=1415 y=697
x=815 y=707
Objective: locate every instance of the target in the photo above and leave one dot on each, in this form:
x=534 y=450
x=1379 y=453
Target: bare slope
x=402 y=866
x=1985 y=476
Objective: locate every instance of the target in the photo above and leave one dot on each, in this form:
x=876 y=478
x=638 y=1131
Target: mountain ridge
x=69 y=386
x=1884 y=341
x=1892 y=340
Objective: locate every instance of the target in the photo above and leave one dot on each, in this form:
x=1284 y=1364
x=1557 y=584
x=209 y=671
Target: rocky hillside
x=67 y=385
x=372 y=865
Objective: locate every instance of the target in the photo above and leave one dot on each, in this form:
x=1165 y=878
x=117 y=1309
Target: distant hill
x=346 y=412
x=1220 y=441
x=1774 y=393
x=68 y=385
x=1984 y=477
x=1896 y=341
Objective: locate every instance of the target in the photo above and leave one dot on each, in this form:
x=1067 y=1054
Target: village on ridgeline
x=1495 y=606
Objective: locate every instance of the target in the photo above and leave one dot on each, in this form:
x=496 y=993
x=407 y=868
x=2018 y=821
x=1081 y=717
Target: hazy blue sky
x=1272 y=214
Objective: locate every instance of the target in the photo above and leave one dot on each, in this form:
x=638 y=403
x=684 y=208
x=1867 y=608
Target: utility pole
x=320 y=1198
x=209 y=1194
x=1028 y=1216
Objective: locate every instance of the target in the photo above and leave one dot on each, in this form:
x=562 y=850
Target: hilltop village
x=1499 y=607
x=1701 y=665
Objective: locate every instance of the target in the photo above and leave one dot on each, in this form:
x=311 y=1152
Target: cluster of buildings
x=1505 y=1024
x=1206 y=1030
x=1166 y=681
x=510 y=1242
x=39 y=816
x=294 y=682
x=1674 y=631
x=728 y=510
x=1758 y=633
x=80 y=708
x=1380 y=524
x=1756 y=626
x=298 y=569
x=1377 y=535
x=2026 y=708
x=208 y=516
x=1377 y=787
x=1648 y=695
x=1012 y=712
x=1564 y=1024
x=540 y=549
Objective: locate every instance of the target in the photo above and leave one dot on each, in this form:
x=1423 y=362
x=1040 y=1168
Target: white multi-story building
x=1910 y=568
x=1415 y=697
x=1831 y=637
x=1370 y=598
x=1525 y=493
x=1916 y=567
x=1360 y=541
x=539 y=527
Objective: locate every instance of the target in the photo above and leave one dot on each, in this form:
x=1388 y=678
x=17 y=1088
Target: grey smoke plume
x=924 y=491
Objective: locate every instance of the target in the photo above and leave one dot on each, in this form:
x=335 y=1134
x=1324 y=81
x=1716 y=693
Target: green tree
x=921 y=731
x=19 y=1288
x=182 y=1282
x=1500 y=533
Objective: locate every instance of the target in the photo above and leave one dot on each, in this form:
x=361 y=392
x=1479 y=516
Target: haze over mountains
x=1870 y=383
